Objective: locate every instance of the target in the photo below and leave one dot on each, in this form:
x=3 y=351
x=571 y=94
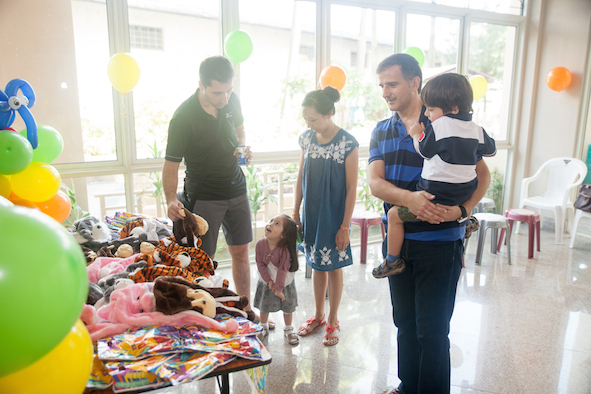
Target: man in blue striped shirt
x=423 y=295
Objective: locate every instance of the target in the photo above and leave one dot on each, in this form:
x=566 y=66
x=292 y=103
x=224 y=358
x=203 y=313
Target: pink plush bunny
x=133 y=306
x=103 y=266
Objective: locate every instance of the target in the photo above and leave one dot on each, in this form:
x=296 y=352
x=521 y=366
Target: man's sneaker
x=387 y=269
x=472 y=226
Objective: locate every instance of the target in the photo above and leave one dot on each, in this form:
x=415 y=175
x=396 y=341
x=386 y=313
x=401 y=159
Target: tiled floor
x=521 y=328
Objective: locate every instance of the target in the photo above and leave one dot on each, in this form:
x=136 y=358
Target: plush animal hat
x=188 y=229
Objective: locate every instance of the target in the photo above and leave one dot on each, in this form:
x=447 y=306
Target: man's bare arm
x=241 y=134
x=170 y=182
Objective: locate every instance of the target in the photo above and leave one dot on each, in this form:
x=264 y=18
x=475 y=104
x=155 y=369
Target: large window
x=114 y=143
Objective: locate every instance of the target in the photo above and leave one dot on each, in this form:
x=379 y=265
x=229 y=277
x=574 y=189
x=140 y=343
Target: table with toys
x=157 y=313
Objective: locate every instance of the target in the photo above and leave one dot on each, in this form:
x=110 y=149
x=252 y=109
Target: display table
x=222 y=373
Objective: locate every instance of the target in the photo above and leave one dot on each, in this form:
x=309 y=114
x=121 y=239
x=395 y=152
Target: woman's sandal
x=310 y=325
x=291 y=337
x=331 y=337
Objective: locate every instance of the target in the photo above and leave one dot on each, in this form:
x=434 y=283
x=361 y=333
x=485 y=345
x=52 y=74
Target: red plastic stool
x=532 y=218
x=365 y=219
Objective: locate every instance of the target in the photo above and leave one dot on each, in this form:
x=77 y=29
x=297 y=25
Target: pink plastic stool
x=532 y=218
x=365 y=219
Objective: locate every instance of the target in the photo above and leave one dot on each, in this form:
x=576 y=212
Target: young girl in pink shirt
x=277 y=261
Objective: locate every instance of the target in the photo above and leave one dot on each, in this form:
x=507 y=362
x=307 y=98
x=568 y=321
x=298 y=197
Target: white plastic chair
x=578 y=216
x=564 y=175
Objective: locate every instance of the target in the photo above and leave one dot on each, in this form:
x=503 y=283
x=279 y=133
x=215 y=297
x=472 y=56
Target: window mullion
x=118 y=22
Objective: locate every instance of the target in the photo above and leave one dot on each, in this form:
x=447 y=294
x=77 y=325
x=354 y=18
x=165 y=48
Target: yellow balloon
x=479 y=86
x=123 y=72
x=64 y=370
x=4 y=186
x=38 y=182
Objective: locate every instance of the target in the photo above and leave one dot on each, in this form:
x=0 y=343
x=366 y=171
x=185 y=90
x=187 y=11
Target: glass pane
x=497 y=166
x=91 y=41
x=360 y=39
x=149 y=198
x=278 y=73
x=491 y=56
x=168 y=40
x=97 y=195
x=438 y=38
x=512 y=7
x=64 y=60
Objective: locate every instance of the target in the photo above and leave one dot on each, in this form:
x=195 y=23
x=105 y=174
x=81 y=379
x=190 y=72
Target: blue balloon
x=10 y=102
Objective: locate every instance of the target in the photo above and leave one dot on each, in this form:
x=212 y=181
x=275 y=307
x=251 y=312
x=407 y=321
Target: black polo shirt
x=207 y=144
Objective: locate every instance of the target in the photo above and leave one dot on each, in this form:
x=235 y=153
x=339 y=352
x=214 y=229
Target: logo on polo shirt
x=422 y=136
x=228 y=115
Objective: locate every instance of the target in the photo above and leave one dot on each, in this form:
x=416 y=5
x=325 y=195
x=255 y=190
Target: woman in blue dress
x=327 y=183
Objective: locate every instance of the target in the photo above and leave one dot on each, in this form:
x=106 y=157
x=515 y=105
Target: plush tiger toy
x=178 y=258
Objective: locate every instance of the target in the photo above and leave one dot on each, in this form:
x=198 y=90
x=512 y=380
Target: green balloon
x=16 y=152
x=238 y=46
x=417 y=53
x=50 y=144
x=43 y=286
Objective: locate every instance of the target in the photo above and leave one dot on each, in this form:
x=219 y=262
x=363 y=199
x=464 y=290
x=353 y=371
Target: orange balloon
x=333 y=76
x=16 y=200
x=559 y=78
x=58 y=206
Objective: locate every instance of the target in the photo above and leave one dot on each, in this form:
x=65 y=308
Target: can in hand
x=241 y=155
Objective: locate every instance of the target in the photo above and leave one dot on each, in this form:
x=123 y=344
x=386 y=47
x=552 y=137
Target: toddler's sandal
x=291 y=337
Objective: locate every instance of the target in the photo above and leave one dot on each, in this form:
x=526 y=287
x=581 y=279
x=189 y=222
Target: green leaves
x=256 y=190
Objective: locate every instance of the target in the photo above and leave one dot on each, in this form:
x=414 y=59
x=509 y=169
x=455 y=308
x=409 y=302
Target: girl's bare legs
x=335 y=291
x=287 y=318
x=334 y=281
x=320 y=281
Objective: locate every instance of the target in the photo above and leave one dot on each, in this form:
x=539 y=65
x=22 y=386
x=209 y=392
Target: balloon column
x=333 y=76
x=123 y=72
x=559 y=78
x=238 y=46
x=43 y=278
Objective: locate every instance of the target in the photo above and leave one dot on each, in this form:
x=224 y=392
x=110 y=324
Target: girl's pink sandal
x=306 y=328
x=331 y=337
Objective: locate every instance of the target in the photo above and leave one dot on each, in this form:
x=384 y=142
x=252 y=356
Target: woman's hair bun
x=332 y=93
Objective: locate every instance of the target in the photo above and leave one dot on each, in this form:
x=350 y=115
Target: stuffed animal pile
x=146 y=275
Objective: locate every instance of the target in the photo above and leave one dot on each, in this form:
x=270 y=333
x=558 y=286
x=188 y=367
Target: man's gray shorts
x=233 y=215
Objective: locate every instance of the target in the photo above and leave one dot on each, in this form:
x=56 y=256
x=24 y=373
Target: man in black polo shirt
x=205 y=130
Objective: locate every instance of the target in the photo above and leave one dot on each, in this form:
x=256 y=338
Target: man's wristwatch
x=464 y=216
